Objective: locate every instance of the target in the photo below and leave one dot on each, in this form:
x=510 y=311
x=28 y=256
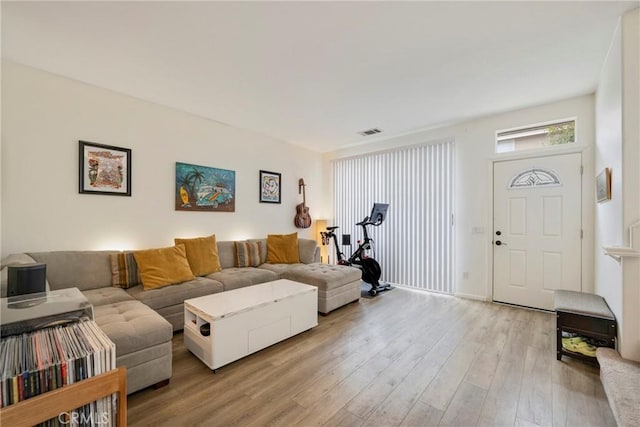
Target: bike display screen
x=378 y=213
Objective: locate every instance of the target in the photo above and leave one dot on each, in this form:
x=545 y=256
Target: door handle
x=499 y=243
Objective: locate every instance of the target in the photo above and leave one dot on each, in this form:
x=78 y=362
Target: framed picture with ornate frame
x=270 y=187
x=104 y=169
x=603 y=185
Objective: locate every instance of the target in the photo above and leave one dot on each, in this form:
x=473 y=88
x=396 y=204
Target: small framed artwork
x=104 y=169
x=270 y=184
x=603 y=186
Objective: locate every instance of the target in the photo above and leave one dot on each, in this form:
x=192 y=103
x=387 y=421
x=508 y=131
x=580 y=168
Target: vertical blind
x=414 y=245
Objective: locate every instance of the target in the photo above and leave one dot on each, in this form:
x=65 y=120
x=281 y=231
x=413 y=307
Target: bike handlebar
x=367 y=221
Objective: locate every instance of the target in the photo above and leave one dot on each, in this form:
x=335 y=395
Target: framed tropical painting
x=205 y=189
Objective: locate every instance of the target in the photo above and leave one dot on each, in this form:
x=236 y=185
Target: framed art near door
x=603 y=186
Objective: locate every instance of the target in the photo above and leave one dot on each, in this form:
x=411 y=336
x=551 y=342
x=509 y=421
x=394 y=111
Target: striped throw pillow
x=248 y=254
x=124 y=270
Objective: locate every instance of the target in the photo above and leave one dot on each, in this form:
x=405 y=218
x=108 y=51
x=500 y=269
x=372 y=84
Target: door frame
x=587 y=209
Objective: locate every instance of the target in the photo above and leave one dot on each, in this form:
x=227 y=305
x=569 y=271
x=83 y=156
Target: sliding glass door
x=414 y=245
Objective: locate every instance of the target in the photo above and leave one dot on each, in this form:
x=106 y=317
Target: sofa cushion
x=324 y=276
x=227 y=254
x=124 y=270
x=282 y=248
x=76 y=269
x=132 y=326
x=163 y=266
x=279 y=268
x=173 y=295
x=248 y=254
x=233 y=278
x=202 y=254
x=102 y=296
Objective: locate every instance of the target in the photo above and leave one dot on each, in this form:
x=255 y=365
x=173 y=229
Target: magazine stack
x=43 y=360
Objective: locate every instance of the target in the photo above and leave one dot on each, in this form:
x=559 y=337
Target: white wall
x=474 y=151
x=630 y=334
x=608 y=215
x=631 y=118
x=44 y=116
x=618 y=147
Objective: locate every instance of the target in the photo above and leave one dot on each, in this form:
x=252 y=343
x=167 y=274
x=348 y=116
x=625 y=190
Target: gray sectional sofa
x=141 y=322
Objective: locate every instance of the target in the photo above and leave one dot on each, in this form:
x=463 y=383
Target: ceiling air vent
x=369 y=132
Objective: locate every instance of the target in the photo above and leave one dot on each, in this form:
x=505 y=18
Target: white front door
x=537 y=225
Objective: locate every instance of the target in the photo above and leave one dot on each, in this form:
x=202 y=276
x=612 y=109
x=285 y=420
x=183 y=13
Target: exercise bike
x=371 y=271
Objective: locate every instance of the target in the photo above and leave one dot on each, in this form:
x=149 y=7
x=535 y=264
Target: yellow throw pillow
x=163 y=267
x=202 y=253
x=282 y=248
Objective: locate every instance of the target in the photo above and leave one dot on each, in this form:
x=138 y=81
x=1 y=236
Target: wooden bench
x=587 y=315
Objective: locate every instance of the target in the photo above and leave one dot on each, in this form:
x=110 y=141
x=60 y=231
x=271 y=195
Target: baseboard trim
x=471 y=296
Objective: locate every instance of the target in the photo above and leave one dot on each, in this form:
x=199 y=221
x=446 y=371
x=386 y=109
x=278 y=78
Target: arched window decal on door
x=534 y=177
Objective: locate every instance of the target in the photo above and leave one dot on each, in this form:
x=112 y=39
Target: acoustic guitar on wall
x=302 y=219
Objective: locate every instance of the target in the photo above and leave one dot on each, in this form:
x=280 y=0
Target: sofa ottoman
x=337 y=285
x=142 y=338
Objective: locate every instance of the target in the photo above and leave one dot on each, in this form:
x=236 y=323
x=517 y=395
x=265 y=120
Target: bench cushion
x=582 y=303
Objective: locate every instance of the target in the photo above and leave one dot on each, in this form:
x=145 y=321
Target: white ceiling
x=316 y=73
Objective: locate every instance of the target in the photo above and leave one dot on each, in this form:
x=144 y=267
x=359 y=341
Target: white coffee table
x=245 y=320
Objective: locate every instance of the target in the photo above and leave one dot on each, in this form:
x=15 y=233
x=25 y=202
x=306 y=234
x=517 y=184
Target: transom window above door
x=538 y=136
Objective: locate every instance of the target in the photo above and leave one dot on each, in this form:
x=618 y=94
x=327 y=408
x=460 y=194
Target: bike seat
x=332 y=228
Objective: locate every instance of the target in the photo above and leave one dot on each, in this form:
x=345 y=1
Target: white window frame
x=533 y=132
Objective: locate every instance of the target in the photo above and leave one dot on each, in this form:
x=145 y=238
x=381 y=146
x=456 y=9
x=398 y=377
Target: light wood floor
x=404 y=358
